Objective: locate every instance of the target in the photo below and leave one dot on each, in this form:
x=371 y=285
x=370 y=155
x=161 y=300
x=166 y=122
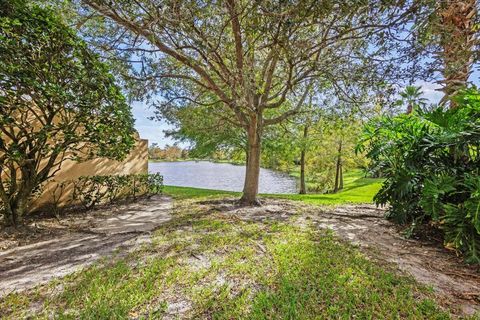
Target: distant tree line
x=168 y=153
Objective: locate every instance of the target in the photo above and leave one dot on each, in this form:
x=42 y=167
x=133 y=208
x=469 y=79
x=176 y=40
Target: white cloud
x=430 y=91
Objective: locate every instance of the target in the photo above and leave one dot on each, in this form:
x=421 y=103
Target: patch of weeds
x=111 y=291
x=14 y=303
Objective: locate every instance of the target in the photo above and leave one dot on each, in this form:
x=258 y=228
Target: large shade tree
x=57 y=102
x=248 y=58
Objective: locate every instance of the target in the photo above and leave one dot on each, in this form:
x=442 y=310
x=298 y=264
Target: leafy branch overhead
x=254 y=61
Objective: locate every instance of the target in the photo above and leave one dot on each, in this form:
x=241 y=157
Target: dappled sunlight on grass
x=206 y=263
x=357 y=189
x=192 y=193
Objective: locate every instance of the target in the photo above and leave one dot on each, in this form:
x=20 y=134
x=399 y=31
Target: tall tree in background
x=303 y=151
x=338 y=167
x=247 y=57
x=305 y=122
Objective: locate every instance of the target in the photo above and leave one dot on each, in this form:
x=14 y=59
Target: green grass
x=194 y=193
x=217 y=266
x=357 y=189
x=253 y=270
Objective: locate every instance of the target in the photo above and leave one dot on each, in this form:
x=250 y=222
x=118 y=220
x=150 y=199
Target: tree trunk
x=457 y=33
x=340 y=186
x=8 y=215
x=14 y=210
x=16 y=203
x=338 y=169
x=250 y=188
x=303 y=187
x=409 y=108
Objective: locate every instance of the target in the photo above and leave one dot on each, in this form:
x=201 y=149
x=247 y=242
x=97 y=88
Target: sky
x=154 y=130
x=151 y=130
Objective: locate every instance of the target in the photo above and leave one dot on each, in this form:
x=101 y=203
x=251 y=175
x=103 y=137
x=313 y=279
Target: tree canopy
x=252 y=61
x=57 y=101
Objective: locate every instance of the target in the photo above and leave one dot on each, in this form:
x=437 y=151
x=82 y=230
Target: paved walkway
x=27 y=266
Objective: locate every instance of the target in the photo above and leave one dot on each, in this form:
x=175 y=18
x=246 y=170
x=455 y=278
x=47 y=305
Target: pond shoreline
x=206 y=174
x=235 y=163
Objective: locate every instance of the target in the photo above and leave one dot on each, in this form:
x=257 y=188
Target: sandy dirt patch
x=456 y=284
x=83 y=242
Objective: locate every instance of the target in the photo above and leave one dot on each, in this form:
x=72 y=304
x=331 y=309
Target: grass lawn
x=357 y=189
x=180 y=193
x=208 y=264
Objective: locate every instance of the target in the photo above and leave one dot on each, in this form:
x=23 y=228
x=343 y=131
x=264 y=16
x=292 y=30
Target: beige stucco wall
x=136 y=162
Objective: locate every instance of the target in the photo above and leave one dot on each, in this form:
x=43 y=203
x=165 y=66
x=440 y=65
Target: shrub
x=90 y=191
x=155 y=183
x=58 y=101
x=431 y=162
x=56 y=197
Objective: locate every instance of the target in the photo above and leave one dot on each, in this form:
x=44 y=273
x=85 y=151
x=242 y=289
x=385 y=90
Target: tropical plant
x=431 y=164
x=412 y=97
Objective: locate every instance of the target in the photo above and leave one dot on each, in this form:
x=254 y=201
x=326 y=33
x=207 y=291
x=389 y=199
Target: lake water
x=220 y=176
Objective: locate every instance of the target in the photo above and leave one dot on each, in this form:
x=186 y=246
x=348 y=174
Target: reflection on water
x=220 y=176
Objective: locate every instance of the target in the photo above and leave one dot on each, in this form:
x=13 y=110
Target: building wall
x=135 y=163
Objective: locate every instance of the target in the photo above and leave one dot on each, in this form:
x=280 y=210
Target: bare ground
x=456 y=284
x=60 y=248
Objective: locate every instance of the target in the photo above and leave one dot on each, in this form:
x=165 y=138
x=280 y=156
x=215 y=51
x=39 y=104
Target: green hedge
x=90 y=191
